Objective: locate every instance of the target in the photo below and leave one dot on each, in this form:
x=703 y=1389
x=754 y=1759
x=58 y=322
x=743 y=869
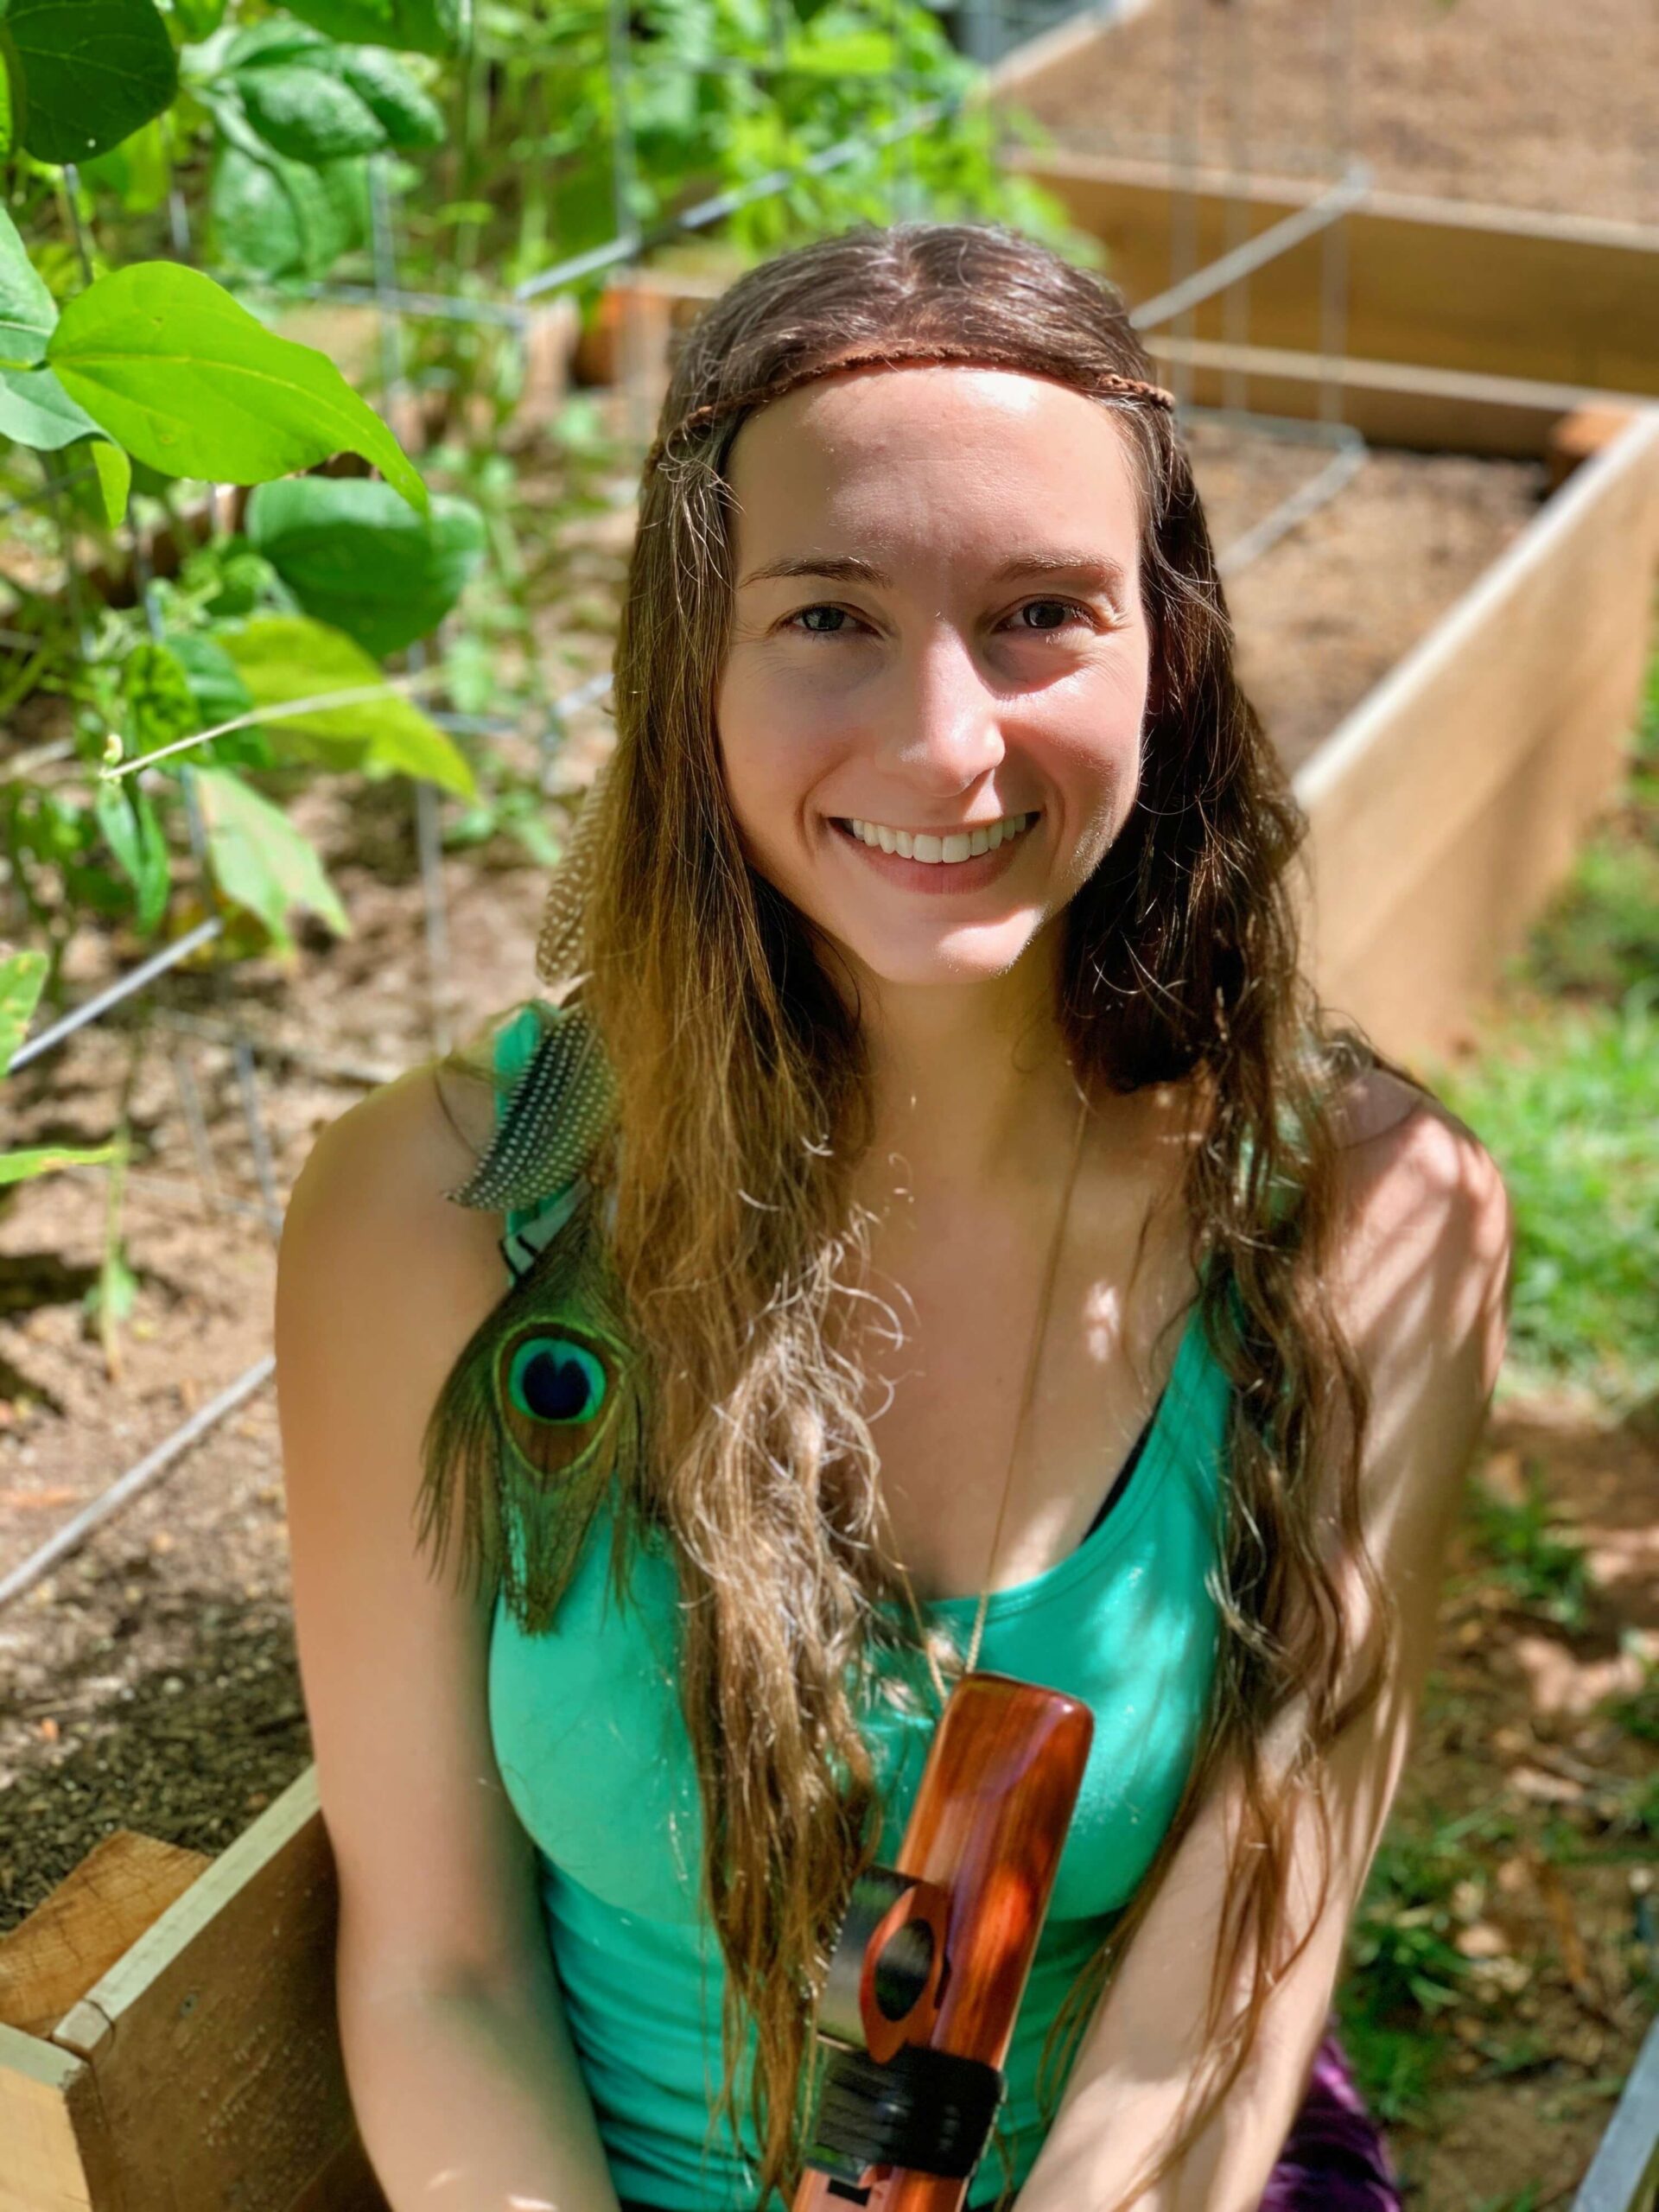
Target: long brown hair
x=742 y=1099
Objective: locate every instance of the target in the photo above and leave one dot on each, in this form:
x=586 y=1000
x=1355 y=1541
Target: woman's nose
x=941 y=720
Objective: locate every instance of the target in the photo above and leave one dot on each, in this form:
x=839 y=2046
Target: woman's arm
x=1422 y=1294
x=472 y=2101
x=466 y=2086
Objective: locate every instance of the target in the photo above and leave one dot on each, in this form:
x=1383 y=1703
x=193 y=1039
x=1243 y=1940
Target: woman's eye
x=802 y=615
x=1066 y=607
x=840 y=614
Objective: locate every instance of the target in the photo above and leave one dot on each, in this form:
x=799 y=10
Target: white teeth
x=936 y=848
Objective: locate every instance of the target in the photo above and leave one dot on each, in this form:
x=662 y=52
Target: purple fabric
x=1334 y=2157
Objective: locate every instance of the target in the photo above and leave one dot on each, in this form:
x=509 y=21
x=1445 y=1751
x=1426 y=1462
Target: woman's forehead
x=931 y=441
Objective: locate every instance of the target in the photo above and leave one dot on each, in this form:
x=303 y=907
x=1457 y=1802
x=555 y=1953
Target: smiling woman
x=965 y=1241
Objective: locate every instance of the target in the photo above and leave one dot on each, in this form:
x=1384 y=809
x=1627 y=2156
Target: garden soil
x=150 y=1680
x=1515 y=104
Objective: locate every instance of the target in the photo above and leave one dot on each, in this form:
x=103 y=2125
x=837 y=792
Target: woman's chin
x=958 y=957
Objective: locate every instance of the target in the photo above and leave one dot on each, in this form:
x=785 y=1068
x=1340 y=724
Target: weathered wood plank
x=53 y=2149
x=1451 y=801
x=1431 y=284
x=214 y=2041
x=1431 y=411
x=50 y=1960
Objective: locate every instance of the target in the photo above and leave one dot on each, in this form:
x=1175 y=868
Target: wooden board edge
x=1279 y=196
x=282 y=1827
x=1368 y=725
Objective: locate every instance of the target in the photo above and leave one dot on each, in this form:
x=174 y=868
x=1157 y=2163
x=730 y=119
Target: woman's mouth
x=936 y=860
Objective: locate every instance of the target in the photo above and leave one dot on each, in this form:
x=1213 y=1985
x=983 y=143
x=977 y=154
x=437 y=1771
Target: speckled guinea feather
x=555 y=1115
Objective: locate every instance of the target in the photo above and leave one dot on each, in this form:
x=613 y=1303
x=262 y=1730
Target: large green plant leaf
x=23 y=978
x=86 y=73
x=276 y=218
x=27 y=311
x=187 y=381
x=355 y=555
x=416 y=26
x=407 y=116
x=309 y=113
x=286 y=658
x=259 y=858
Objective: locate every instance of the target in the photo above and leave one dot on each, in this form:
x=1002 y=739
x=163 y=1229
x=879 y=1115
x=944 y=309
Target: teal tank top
x=592 y=1747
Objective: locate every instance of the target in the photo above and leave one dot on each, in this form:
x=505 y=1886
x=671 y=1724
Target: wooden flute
x=933 y=1954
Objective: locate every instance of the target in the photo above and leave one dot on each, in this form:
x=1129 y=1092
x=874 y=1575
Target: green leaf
x=220 y=695
x=8 y=119
x=415 y=26
x=407 y=115
x=18 y=1166
x=27 y=311
x=259 y=858
x=355 y=556
x=274 y=218
x=216 y=687
x=35 y=410
x=187 y=381
x=308 y=114
x=133 y=832
x=198 y=19
x=284 y=658
x=92 y=71
x=280 y=39
x=114 y=477
x=23 y=978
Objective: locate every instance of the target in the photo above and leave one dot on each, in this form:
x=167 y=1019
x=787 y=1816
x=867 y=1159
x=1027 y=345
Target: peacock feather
x=544 y=1408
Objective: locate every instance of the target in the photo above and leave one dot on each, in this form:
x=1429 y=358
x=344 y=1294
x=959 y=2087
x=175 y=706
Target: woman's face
x=938 y=649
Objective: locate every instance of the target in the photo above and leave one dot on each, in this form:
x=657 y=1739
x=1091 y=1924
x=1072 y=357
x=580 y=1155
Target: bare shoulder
x=1425 y=1228
x=382 y=1281
x=431 y=1121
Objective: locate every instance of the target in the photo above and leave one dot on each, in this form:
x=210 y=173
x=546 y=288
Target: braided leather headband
x=1106 y=383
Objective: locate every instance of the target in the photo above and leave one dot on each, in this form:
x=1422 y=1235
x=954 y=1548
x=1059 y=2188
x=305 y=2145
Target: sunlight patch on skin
x=1103 y=1320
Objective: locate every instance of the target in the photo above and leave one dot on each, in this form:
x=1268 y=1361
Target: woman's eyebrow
x=1096 y=569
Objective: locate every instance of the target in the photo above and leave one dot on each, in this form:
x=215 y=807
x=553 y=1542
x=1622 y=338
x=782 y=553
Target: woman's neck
x=971 y=1082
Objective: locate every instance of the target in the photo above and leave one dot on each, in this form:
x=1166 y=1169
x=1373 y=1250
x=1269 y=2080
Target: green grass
x=1564 y=1092
x=1542 y=1570
x=1404 y=1969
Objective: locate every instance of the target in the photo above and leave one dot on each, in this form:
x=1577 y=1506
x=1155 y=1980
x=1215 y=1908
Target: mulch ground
x=1512 y=104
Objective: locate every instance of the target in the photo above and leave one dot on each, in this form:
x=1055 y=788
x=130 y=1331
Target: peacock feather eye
x=555 y=1388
